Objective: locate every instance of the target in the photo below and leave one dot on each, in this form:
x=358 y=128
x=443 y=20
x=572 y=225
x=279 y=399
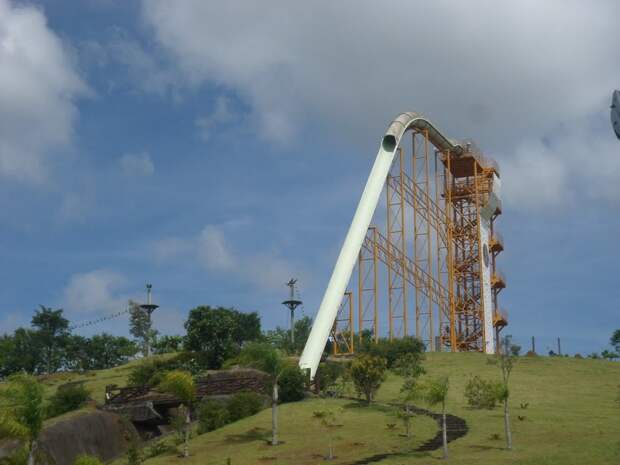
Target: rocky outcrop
x=102 y=434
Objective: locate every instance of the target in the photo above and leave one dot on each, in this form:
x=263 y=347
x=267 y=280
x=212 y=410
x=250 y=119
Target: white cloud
x=211 y=250
x=38 y=89
x=95 y=292
x=221 y=114
x=508 y=78
x=137 y=164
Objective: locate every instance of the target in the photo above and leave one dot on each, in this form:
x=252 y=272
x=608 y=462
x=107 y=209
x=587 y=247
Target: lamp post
x=148 y=308
x=292 y=304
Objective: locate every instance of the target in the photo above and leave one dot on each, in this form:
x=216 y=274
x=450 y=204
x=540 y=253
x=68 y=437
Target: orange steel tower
x=427 y=266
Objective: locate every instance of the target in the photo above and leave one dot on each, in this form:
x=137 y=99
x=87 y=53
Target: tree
x=410 y=368
x=181 y=385
x=327 y=418
x=367 y=374
x=609 y=355
x=505 y=361
x=51 y=331
x=436 y=392
x=270 y=360
x=168 y=344
x=22 y=410
x=141 y=327
x=615 y=340
x=281 y=337
x=87 y=460
x=218 y=333
x=19 y=352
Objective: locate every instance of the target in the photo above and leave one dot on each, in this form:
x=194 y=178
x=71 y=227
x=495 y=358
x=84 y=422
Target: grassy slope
x=572 y=418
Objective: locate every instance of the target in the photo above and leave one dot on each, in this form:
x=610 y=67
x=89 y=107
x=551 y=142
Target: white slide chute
x=336 y=287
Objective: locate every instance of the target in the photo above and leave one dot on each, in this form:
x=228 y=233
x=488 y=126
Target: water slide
x=347 y=258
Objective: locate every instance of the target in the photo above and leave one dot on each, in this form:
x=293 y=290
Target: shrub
x=531 y=353
x=87 y=460
x=578 y=355
x=68 y=397
x=480 y=393
x=152 y=371
x=212 y=415
x=368 y=372
x=327 y=374
x=394 y=349
x=292 y=383
x=244 y=404
x=160 y=448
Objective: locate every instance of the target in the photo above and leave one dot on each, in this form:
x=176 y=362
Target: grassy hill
x=572 y=418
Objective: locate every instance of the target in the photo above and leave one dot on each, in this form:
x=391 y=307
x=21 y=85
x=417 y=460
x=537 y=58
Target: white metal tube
x=334 y=293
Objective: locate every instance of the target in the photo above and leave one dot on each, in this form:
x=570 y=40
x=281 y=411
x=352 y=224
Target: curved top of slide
x=410 y=120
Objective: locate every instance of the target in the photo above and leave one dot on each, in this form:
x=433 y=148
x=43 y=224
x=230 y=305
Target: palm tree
x=266 y=358
x=437 y=393
x=22 y=411
x=181 y=385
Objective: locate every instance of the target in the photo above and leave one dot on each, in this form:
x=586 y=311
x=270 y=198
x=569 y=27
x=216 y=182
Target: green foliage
x=219 y=333
x=51 y=331
x=436 y=391
x=609 y=355
x=394 y=349
x=614 y=340
x=292 y=384
x=328 y=374
x=262 y=356
x=140 y=326
x=244 y=404
x=87 y=460
x=151 y=371
x=281 y=337
x=368 y=373
x=67 y=397
x=480 y=393
x=409 y=365
x=160 y=448
x=21 y=403
x=168 y=344
x=181 y=385
x=19 y=352
x=98 y=352
x=212 y=415
x=134 y=454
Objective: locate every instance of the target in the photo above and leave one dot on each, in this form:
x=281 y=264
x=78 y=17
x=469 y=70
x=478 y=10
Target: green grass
x=572 y=418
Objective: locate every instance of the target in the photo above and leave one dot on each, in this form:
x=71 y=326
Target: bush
x=368 y=372
x=394 y=349
x=292 y=384
x=68 y=397
x=480 y=393
x=87 y=460
x=211 y=416
x=531 y=353
x=327 y=374
x=244 y=404
x=160 y=448
x=152 y=371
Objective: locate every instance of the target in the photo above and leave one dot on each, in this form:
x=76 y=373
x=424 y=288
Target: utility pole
x=149 y=308
x=533 y=345
x=559 y=348
x=292 y=303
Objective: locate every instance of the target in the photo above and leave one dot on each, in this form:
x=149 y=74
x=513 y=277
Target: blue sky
x=217 y=149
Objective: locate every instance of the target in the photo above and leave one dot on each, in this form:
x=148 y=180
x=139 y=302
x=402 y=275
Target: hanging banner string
x=98 y=320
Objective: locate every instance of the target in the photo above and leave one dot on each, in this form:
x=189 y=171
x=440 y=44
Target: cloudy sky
x=216 y=149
